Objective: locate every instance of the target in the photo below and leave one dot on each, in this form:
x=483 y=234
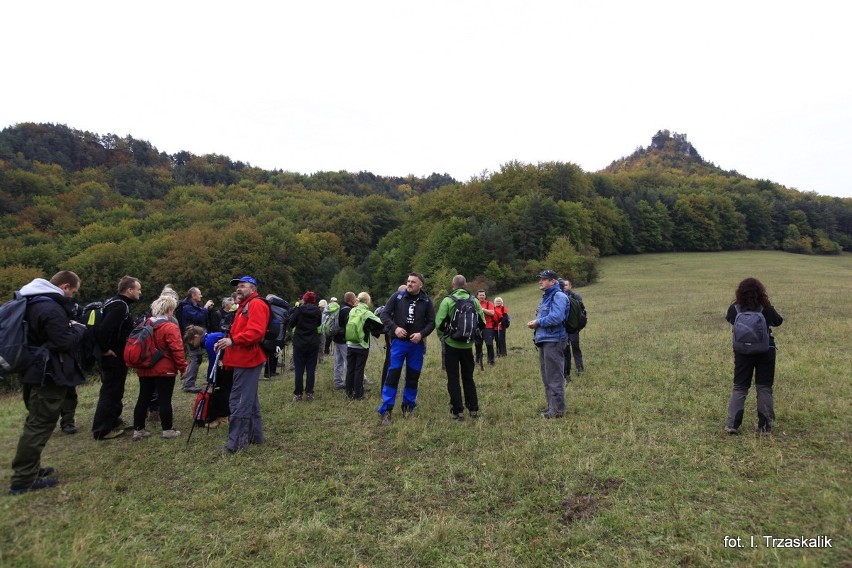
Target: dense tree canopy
x=105 y=206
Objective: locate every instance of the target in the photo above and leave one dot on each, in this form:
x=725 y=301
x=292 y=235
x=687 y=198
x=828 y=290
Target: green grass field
x=639 y=473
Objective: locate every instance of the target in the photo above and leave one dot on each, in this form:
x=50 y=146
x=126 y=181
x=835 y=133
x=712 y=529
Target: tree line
x=104 y=206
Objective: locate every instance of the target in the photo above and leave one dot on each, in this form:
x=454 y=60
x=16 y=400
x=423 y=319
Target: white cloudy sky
x=398 y=88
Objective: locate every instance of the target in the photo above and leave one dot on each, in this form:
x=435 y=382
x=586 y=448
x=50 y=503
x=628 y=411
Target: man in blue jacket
x=193 y=312
x=45 y=383
x=551 y=338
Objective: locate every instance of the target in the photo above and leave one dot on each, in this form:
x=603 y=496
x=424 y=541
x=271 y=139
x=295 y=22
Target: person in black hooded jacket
x=305 y=321
x=46 y=382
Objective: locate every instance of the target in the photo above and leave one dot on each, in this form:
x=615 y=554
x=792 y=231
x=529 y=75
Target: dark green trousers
x=43 y=404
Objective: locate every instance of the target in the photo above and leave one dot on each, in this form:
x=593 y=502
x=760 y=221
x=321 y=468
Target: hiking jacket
x=192 y=314
x=490 y=321
x=499 y=312
x=445 y=315
x=168 y=339
x=247 y=332
x=360 y=324
x=415 y=314
x=116 y=325
x=50 y=327
x=304 y=322
x=551 y=316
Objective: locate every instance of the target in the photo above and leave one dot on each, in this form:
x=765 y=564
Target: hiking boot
x=457 y=417
x=45 y=471
x=39 y=483
x=309 y=397
x=386 y=418
x=214 y=424
x=168 y=434
x=139 y=434
x=297 y=398
x=474 y=414
x=113 y=434
x=69 y=429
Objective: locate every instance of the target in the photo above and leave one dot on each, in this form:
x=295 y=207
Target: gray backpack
x=750 y=332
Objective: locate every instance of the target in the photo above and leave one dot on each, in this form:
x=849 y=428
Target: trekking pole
x=203 y=399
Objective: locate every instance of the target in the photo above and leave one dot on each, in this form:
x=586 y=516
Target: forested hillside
x=104 y=206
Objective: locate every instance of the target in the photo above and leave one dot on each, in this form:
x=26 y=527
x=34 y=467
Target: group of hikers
x=244 y=338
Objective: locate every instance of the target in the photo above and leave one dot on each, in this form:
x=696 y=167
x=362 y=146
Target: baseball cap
x=248 y=279
x=550 y=274
x=333 y=299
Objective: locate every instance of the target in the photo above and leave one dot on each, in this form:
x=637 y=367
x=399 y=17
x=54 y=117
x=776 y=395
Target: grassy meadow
x=638 y=473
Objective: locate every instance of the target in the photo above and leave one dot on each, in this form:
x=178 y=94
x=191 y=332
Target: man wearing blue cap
x=245 y=355
x=550 y=339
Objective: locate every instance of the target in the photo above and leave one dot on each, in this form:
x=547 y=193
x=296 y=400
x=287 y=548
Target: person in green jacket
x=361 y=324
x=458 y=353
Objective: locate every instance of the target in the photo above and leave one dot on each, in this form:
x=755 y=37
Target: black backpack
x=464 y=323
x=750 y=332
x=16 y=355
x=576 y=318
x=275 y=330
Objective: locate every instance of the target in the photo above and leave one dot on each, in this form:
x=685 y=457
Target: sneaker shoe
x=192 y=389
x=386 y=418
x=732 y=431
x=214 y=424
x=548 y=415
x=45 y=471
x=168 y=434
x=69 y=429
x=139 y=434
x=113 y=434
x=474 y=414
x=297 y=398
x=457 y=417
x=309 y=397
x=39 y=483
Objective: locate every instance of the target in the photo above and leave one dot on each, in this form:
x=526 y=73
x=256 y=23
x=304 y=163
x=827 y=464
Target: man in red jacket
x=244 y=354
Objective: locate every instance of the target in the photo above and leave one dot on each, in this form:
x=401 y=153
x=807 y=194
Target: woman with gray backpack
x=752 y=317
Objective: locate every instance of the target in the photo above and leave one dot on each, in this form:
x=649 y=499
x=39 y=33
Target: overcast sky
x=457 y=87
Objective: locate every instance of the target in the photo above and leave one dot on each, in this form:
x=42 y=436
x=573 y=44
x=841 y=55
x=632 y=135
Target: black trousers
x=108 y=411
x=356 y=362
x=488 y=338
x=460 y=366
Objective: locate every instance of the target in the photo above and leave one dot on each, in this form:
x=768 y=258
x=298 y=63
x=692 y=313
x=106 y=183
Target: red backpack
x=141 y=351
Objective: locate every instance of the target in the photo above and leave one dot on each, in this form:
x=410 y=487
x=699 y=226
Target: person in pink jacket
x=161 y=377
